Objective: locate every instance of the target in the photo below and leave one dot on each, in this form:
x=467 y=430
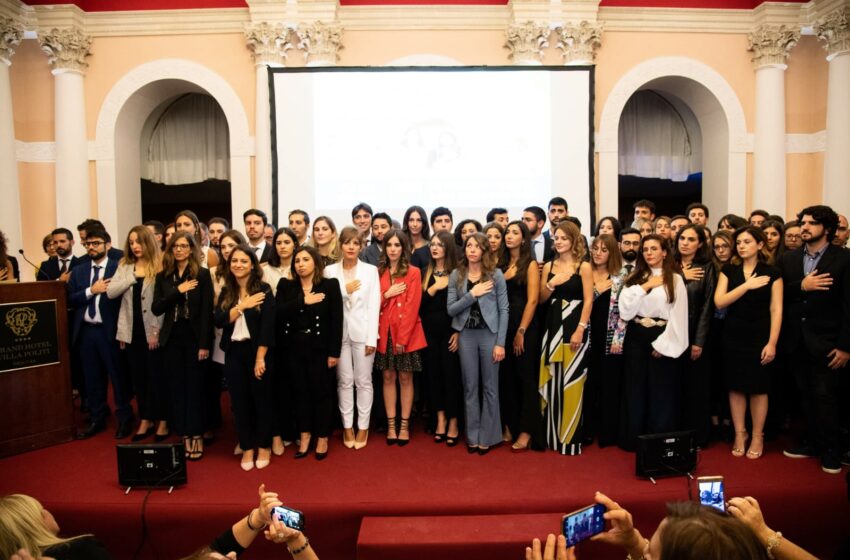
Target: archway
x=720 y=116
x=122 y=117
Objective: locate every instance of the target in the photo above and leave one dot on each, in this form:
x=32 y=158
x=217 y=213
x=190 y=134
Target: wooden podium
x=35 y=375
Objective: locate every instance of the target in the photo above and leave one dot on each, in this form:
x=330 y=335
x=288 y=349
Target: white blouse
x=272 y=275
x=635 y=302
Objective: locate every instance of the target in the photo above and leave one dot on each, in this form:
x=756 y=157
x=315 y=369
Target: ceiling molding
x=417 y=17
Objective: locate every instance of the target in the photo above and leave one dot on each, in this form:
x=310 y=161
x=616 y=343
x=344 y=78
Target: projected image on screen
x=469 y=139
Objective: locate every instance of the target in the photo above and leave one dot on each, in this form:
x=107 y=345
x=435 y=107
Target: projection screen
x=469 y=138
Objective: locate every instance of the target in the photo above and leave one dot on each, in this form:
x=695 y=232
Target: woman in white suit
x=361 y=299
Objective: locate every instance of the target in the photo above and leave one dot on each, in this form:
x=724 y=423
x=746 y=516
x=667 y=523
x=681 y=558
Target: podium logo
x=21 y=320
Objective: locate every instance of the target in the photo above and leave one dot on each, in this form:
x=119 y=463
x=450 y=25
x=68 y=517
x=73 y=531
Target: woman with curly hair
x=8 y=264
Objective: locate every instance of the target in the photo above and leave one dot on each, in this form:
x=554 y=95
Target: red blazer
x=400 y=314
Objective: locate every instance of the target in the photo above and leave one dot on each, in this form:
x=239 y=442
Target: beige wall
x=227 y=55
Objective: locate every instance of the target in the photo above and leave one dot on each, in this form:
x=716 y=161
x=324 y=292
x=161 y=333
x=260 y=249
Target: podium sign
x=35 y=378
x=28 y=335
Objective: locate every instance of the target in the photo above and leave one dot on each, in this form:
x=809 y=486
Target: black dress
x=746 y=331
x=519 y=400
x=441 y=367
x=83 y=548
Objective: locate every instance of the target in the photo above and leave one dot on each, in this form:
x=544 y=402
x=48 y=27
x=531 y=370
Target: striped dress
x=562 y=371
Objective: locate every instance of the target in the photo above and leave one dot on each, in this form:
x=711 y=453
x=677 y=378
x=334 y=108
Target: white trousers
x=354 y=370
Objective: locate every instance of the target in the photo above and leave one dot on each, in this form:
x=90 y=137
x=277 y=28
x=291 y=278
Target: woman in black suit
x=309 y=314
x=184 y=294
x=246 y=313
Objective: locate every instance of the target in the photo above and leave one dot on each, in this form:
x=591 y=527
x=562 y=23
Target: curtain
x=653 y=139
x=189 y=143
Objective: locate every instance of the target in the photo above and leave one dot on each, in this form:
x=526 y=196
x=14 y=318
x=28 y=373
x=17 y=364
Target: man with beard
x=842 y=233
x=558 y=211
x=816 y=328
x=534 y=219
x=217 y=227
x=299 y=223
x=59 y=267
x=255 y=230
x=93 y=331
x=629 y=245
x=381 y=224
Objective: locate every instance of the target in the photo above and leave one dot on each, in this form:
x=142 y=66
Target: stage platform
x=77 y=481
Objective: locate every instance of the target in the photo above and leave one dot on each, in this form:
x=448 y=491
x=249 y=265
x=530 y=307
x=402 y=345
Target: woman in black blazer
x=246 y=313
x=184 y=294
x=309 y=317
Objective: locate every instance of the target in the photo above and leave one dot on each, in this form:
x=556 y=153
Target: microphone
x=38 y=273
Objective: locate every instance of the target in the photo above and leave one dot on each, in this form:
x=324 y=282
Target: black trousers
x=315 y=387
x=186 y=377
x=149 y=381
x=442 y=368
x=251 y=397
x=820 y=389
x=98 y=352
x=651 y=388
x=696 y=394
x=519 y=399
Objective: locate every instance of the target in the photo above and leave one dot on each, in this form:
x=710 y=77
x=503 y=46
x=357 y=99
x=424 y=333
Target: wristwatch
x=521 y=331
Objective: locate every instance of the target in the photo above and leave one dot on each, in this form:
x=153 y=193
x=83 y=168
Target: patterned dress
x=563 y=372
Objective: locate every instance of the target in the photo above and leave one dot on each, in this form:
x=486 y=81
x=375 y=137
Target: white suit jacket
x=363 y=307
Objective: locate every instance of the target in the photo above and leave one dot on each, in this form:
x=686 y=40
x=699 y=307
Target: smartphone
x=583 y=524
x=711 y=492
x=292 y=518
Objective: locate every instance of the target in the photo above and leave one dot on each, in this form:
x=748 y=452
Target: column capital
x=771 y=44
x=526 y=42
x=579 y=41
x=66 y=49
x=321 y=42
x=268 y=42
x=834 y=30
x=11 y=34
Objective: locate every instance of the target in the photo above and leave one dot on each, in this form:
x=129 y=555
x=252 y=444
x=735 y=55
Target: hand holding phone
x=292 y=518
x=583 y=524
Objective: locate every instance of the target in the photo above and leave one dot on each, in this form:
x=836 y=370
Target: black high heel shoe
x=321 y=456
x=143 y=436
x=404 y=427
x=159 y=438
x=391 y=425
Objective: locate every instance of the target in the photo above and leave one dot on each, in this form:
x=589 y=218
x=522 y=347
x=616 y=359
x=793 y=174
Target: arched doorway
x=185 y=161
x=121 y=121
x=720 y=117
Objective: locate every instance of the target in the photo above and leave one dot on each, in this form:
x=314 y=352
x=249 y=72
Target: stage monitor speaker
x=156 y=465
x=670 y=454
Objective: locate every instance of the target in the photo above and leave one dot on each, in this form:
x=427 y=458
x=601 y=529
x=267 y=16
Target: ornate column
x=268 y=44
x=579 y=42
x=66 y=51
x=834 y=30
x=11 y=33
x=526 y=42
x=321 y=43
x=770 y=45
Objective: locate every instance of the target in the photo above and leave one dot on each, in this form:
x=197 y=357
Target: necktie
x=629 y=268
x=93 y=301
x=64 y=266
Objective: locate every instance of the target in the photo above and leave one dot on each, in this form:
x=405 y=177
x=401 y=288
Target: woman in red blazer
x=400 y=333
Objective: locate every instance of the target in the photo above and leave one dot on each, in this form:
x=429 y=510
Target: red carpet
x=78 y=482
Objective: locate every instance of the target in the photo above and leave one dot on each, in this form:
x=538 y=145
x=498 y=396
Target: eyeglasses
x=181 y=246
x=93 y=243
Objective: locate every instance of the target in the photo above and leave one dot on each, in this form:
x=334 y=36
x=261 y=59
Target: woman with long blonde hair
x=138 y=329
x=325 y=240
x=25 y=524
x=567 y=292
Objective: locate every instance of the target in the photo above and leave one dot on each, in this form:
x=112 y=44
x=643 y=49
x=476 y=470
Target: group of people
x=513 y=332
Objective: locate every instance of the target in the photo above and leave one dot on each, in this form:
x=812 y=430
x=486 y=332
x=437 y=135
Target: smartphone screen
x=292 y=518
x=711 y=492
x=583 y=524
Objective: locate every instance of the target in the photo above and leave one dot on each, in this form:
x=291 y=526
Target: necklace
x=440 y=273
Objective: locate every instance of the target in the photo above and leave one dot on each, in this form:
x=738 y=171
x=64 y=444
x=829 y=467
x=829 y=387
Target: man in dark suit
x=381 y=224
x=255 y=230
x=59 y=267
x=91 y=224
x=816 y=328
x=541 y=246
x=93 y=335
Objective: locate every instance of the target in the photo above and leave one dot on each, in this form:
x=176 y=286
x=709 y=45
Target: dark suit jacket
x=166 y=297
x=372 y=254
x=819 y=319
x=548 y=246
x=79 y=281
x=700 y=306
x=323 y=319
x=267 y=253
x=260 y=321
x=49 y=269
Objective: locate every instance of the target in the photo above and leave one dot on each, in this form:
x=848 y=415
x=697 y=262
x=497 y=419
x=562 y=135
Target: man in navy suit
x=816 y=331
x=255 y=230
x=93 y=335
x=91 y=224
x=59 y=267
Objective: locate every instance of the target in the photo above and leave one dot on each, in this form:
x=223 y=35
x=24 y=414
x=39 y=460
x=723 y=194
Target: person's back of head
x=22 y=525
x=695 y=532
